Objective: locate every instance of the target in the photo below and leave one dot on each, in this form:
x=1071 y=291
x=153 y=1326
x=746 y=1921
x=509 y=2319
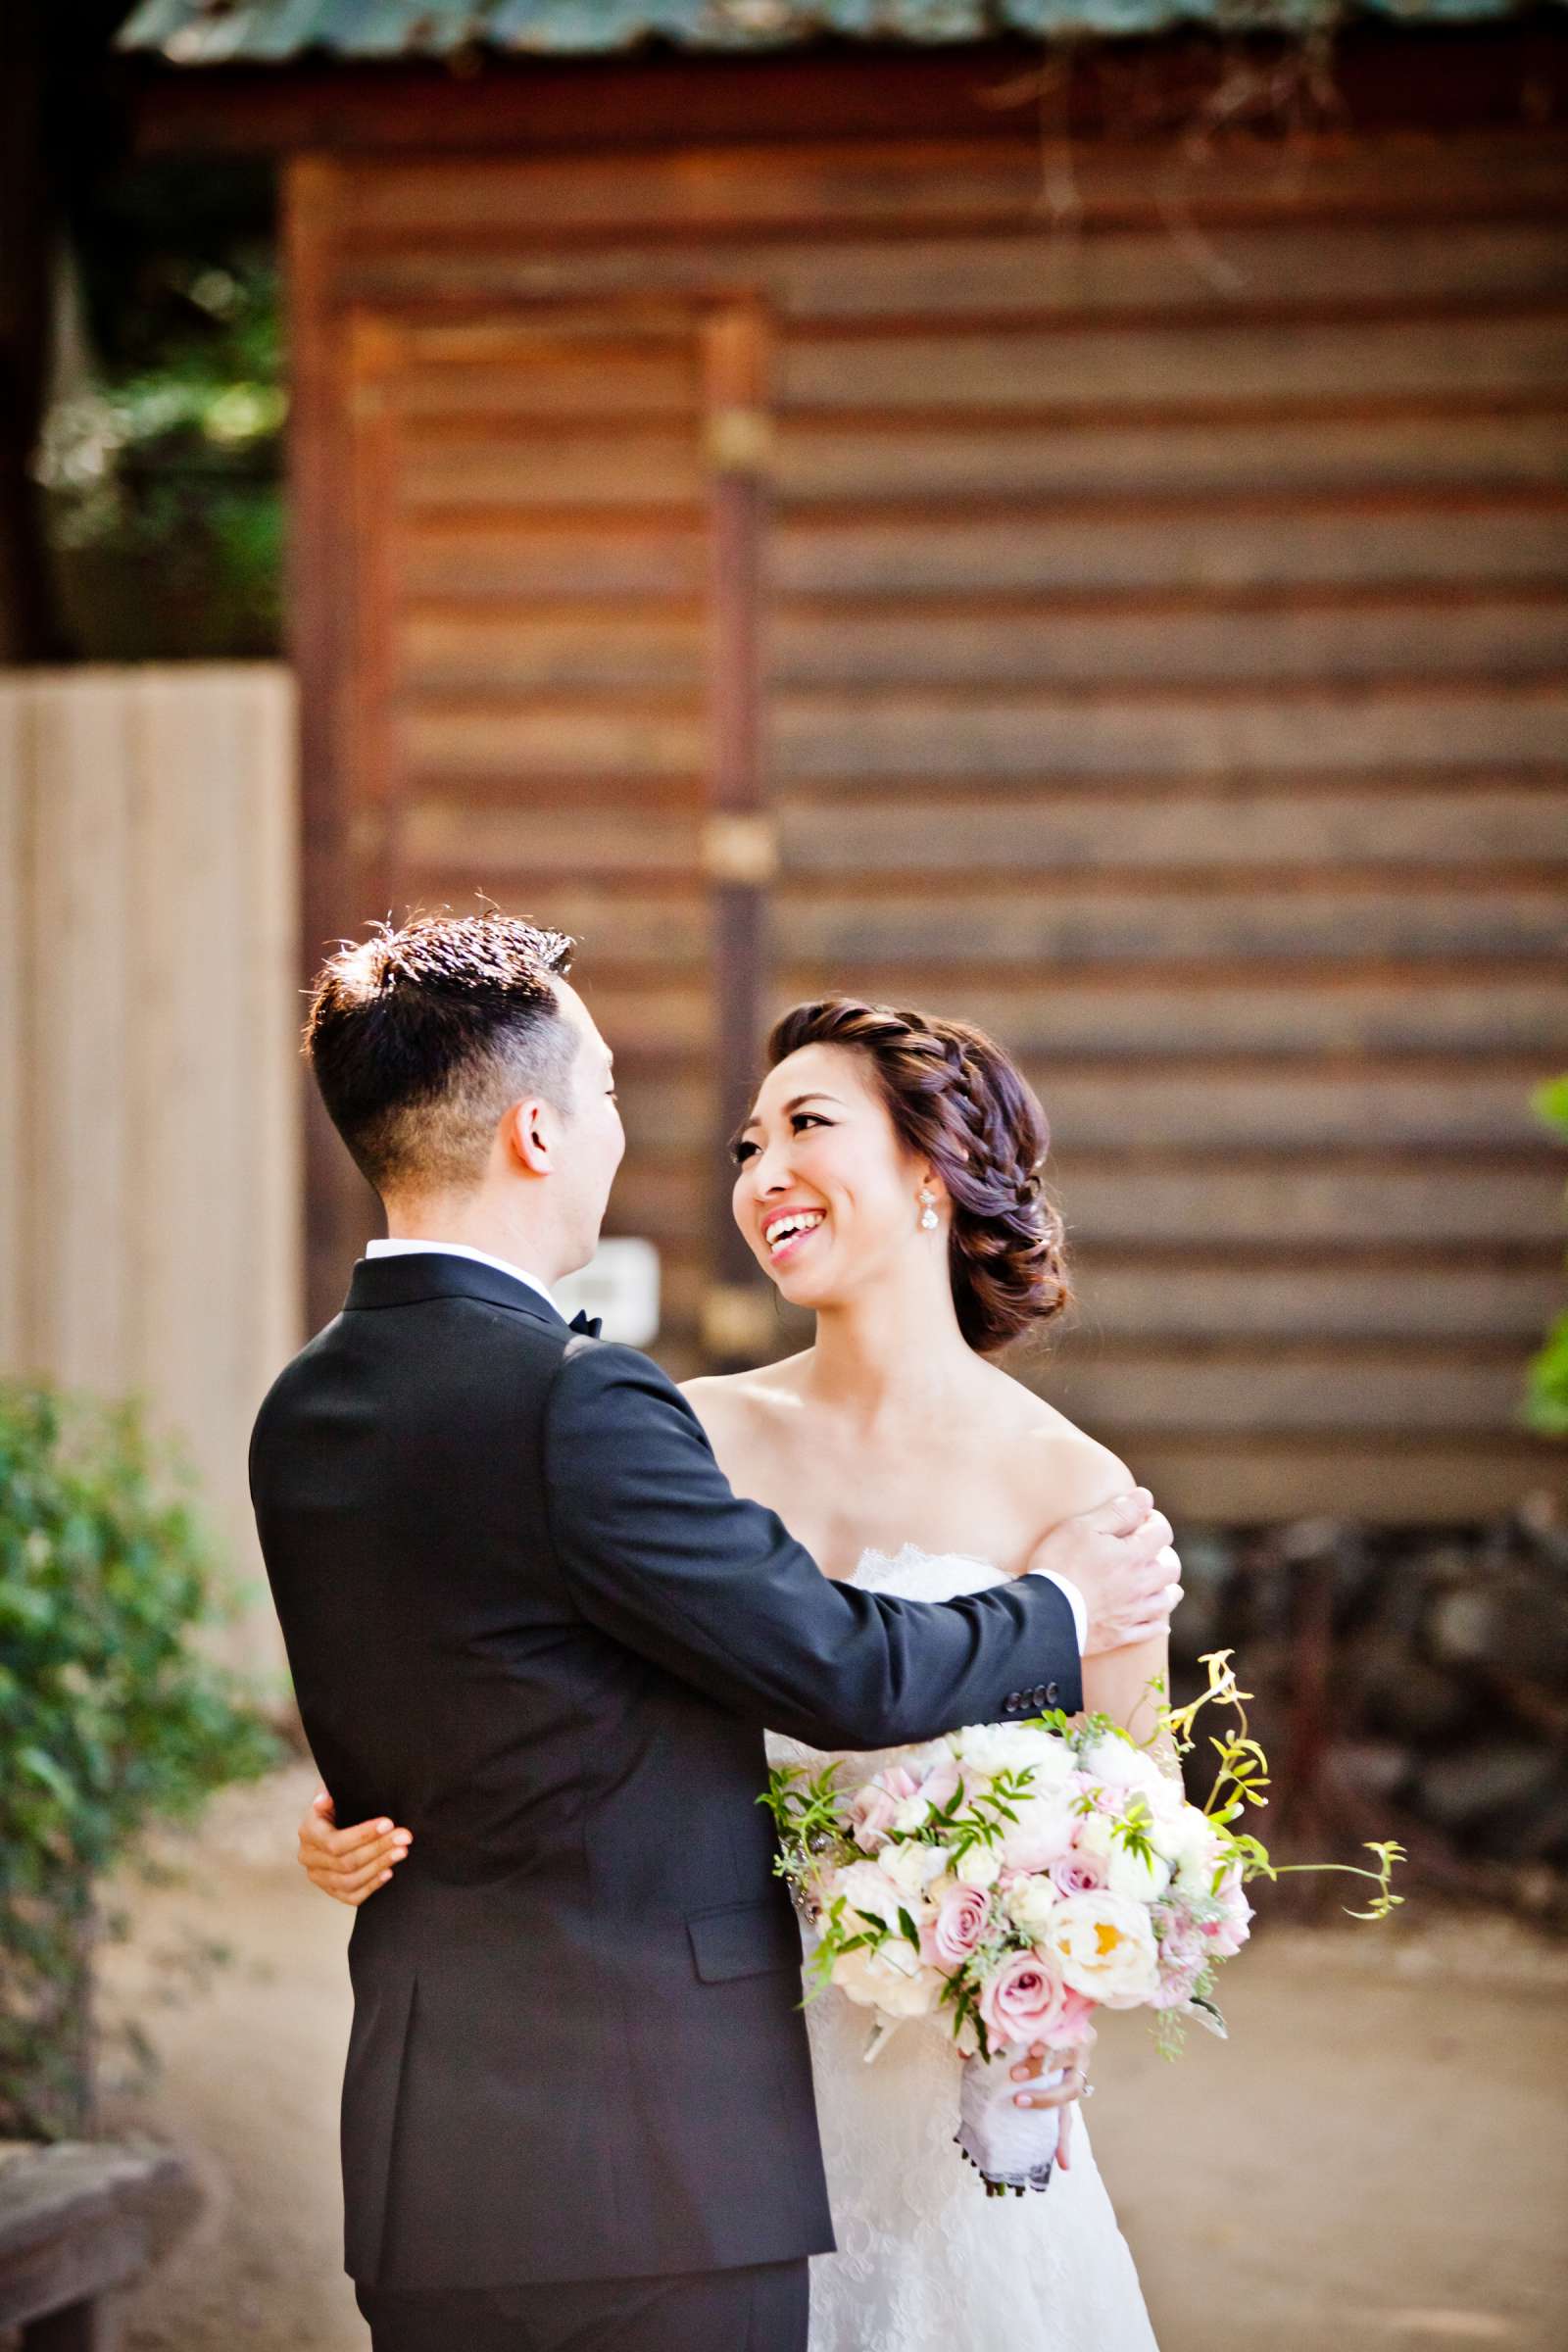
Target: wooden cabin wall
x=1165 y=577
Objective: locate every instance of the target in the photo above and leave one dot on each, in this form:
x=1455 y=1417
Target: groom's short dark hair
x=421 y=1037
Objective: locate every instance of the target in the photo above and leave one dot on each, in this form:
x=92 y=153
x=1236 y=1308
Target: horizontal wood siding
x=1165 y=666
x=515 y=729
x=149 y=1073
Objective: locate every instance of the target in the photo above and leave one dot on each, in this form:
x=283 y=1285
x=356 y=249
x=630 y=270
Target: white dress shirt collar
x=481 y=1257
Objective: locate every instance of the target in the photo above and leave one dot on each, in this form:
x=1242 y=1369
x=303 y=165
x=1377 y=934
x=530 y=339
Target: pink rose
x=1180 y=1937
x=1184 y=1953
x=1079 y=1874
x=898 y=1782
x=940 y=1783
x=961 y=1917
x=1028 y=2000
x=1175 y=1985
x=1226 y=1935
x=871 y=1810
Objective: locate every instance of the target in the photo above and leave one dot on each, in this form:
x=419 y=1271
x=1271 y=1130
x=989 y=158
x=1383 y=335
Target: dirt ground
x=1377 y=2161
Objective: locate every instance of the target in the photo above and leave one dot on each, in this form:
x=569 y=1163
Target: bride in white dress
x=887 y=1179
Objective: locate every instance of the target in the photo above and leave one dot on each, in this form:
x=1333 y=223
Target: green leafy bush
x=1547 y=1397
x=112 y=1717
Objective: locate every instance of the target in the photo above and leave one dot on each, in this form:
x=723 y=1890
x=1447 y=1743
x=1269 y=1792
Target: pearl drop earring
x=928 y=1202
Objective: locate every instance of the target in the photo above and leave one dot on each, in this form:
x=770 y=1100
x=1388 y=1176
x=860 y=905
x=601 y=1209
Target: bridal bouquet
x=1021 y=1877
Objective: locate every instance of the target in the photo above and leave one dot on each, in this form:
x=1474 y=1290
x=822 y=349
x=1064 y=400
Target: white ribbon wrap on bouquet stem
x=1011 y=2147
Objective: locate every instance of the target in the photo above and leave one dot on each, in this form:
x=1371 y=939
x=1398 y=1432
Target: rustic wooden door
x=544 y=691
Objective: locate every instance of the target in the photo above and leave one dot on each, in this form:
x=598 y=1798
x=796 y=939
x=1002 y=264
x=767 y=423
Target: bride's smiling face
x=825 y=1194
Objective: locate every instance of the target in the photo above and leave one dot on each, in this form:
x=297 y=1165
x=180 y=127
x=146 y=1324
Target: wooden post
x=322 y=590
x=740 y=847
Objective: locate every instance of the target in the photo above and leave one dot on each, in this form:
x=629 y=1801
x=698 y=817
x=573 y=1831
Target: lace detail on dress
x=926 y=2263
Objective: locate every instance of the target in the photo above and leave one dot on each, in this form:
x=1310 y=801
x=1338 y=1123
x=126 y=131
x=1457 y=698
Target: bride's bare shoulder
x=744 y=1400
x=1053 y=1468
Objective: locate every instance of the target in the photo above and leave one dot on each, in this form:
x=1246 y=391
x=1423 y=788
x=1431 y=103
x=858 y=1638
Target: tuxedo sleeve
x=658 y=1551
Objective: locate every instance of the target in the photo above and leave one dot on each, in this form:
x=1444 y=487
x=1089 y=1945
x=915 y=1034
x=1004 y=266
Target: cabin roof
x=213 y=32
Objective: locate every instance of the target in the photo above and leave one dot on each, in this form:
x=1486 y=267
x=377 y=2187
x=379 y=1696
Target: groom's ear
x=530 y=1133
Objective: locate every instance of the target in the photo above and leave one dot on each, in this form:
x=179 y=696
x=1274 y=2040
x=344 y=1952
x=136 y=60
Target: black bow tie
x=588 y=1325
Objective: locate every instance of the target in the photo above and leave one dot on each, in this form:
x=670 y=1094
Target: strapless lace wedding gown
x=926 y=2261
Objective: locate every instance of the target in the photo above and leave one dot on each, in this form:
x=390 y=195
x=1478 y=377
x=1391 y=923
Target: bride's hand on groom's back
x=1121 y=1557
x=349 y=1863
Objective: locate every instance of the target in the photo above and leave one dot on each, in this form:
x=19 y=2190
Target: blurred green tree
x=141 y=394
x=162 y=465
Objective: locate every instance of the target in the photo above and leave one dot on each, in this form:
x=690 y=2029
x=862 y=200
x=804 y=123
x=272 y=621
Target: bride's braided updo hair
x=956 y=1098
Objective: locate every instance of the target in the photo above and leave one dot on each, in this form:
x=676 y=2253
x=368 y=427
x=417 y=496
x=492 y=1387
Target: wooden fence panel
x=15 y=751
x=149 y=1086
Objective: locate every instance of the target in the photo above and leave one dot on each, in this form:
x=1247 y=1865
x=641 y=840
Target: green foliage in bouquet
x=1241 y=1778
x=111 y=1715
x=1546 y=1393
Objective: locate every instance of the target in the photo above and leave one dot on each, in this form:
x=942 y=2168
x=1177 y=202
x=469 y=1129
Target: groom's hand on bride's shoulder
x=1121 y=1557
x=350 y=1863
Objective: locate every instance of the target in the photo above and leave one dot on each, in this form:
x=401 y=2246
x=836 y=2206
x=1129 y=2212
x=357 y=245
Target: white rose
x=1105 y=1946
x=911 y=1868
x=993 y=1748
x=980 y=1867
x=867 y=1890
x=913 y=1814
x=1186 y=1837
x=894 y=1979
x=1194 y=1873
x=1113 y=1760
x=1030 y=1904
x=1141 y=1878
x=1126 y=1874
x=1053 y=1763
x=1169 y=1834
x=1192 y=1846
x=1042 y=1833
x=1167 y=1798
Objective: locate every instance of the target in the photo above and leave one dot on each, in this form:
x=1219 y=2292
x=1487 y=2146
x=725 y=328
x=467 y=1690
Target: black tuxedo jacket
x=527 y=1616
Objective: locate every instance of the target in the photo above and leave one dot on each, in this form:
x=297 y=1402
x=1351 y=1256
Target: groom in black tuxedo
x=527 y=1616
